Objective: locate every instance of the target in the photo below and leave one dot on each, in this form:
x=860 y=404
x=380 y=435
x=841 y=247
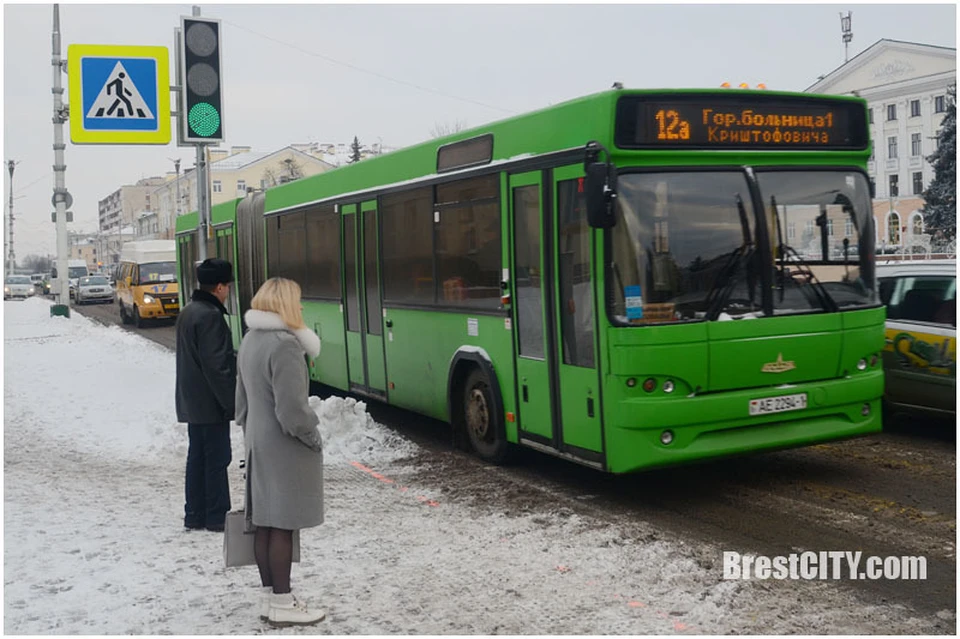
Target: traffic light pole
x=203 y=201
x=199 y=118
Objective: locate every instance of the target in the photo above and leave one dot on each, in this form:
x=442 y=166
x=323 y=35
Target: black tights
x=273 y=548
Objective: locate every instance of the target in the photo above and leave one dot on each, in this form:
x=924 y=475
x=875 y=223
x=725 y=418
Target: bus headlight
x=862 y=364
x=148 y=299
x=666 y=437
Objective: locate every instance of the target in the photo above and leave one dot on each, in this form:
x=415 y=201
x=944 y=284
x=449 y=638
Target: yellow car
x=920 y=357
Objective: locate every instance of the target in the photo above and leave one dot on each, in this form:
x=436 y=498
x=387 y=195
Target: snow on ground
x=93 y=541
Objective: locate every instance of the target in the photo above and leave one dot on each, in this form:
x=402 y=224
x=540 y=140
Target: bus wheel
x=137 y=321
x=481 y=418
x=124 y=318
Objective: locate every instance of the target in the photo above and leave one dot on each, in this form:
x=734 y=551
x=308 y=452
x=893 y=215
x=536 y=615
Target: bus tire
x=137 y=320
x=482 y=419
x=124 y=318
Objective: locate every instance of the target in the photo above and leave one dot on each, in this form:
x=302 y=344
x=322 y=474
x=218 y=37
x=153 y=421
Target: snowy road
x=413 y=544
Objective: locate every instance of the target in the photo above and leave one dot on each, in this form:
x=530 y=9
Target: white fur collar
x=267 y=321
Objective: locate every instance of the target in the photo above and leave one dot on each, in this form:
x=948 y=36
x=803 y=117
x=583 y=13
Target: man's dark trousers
x=207 y=487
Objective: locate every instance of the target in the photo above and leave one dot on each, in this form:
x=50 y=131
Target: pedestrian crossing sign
x=119 y=94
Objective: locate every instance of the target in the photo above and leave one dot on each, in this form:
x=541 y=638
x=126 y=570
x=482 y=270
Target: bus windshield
x=74 y=272
x=684 y=247
x=821 y=235
x=680 y=236
x=158 y=272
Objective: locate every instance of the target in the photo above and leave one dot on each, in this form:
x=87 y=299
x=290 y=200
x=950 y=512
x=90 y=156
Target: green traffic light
x=204 y=119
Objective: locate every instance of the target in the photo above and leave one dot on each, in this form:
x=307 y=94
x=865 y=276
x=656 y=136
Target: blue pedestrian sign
x=119 y=94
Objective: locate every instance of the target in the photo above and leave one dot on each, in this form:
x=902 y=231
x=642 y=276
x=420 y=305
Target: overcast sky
x=391 y=73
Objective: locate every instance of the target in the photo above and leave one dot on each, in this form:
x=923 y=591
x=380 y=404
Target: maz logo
x=778 y=366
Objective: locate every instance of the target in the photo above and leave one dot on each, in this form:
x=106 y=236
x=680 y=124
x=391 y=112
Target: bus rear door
x=364 y=326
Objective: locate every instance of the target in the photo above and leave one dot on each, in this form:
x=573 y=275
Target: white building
x=905 y=85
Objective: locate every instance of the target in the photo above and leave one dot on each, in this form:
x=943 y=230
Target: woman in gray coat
x=284 y=489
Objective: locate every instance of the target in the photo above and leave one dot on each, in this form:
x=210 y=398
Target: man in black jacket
x=206 y=384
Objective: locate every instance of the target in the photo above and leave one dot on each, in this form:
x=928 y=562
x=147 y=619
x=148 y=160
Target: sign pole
x=60 y=195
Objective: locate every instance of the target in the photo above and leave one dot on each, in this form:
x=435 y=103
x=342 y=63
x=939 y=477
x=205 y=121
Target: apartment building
x=233 y=172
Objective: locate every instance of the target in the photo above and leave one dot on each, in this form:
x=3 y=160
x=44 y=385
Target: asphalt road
x=890 y=494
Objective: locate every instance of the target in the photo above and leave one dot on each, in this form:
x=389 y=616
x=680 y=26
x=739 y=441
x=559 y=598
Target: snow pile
x=350 y=434
x=113 y=392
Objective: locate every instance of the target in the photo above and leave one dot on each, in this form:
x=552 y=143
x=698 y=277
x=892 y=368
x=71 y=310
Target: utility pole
x=61 y=198
x=11 y=258
x=176 y=208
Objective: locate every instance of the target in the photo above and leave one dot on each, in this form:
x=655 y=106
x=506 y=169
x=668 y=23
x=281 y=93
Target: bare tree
x=292 y=170
x=444 y=129
x=286 y=170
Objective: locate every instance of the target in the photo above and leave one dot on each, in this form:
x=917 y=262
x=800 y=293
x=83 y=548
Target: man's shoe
x=189 y=525
x=215 y=527
x=287 y=610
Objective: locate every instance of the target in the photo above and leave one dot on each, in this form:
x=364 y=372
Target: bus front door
x=364 y=317
x=554 y=314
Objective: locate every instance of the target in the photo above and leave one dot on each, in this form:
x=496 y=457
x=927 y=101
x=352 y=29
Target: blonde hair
x=281 y=296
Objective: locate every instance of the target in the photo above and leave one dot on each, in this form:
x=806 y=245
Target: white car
x=18 y=286
x=93 y=288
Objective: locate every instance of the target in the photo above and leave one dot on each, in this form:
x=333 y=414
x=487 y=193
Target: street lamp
x=846 y=22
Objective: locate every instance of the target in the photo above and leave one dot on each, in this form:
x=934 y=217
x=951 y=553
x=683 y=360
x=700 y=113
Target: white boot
x=287 y=610
x=265 y=594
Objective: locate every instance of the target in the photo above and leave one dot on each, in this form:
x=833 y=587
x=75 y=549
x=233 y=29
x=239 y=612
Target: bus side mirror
x=600 y=187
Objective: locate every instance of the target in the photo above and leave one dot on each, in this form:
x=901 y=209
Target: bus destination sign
x=732 y=122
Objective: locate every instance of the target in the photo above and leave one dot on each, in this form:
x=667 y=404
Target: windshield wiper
x=773 y=205
x=722 y=288
x=823 y=297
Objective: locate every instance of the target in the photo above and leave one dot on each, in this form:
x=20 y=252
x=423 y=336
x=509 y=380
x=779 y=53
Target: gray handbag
x=238 y=541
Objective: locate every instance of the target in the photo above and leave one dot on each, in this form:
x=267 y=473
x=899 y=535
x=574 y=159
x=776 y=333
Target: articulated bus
x=628 y=280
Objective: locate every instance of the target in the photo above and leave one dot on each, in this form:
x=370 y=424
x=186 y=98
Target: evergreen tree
x=354 y=151
x=940 y=206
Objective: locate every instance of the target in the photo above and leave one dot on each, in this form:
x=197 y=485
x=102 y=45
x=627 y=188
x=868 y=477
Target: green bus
x=628 y=280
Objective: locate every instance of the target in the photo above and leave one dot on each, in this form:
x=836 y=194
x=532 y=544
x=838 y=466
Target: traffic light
x=201 y=94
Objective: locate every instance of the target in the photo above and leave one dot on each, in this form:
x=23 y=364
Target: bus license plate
x=779 y=404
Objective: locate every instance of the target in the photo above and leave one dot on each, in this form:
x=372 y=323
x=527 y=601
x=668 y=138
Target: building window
x=848 y=228
x=870 y=116
x=894 y=185
x=917 y=183
x=263 y=185
x=914 y=108
x=829 y=227
x=917 y=224
x=892 y=147
x=891 y=112
x=241 y=186
x=791 y=231
x=217 y=186
x=893 y=227
x=939 y=104
x=915 y=144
